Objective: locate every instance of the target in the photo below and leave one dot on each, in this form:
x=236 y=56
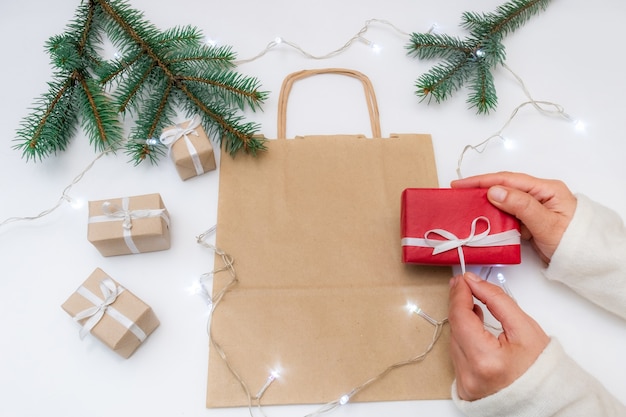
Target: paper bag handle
x=370 y=96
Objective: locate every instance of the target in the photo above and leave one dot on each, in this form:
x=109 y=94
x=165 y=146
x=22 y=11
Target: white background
x=570 y=54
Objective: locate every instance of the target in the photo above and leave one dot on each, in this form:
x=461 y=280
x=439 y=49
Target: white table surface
x=569 y=54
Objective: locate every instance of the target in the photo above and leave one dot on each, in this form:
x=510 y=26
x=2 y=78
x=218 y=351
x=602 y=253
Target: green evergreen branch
x=218 y=57
x=511 y=16
x=473 y=58
x=53 y=122
x=231 y=90
x=157 y=71
x=129 y=92
x=102 y=124
x=51 y=119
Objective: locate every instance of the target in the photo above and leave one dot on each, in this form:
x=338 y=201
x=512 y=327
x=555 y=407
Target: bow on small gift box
x=189 y=147
x=129 y=225
x=456 y=226
x=111 y=313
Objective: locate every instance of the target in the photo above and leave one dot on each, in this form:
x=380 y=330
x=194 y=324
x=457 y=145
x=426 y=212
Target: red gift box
x=444 y=226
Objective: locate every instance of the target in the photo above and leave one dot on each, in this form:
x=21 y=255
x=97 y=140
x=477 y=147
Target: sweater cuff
x=590 y=256
x=532 y=394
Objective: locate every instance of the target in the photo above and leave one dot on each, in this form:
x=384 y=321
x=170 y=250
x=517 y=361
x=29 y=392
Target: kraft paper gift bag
x=313 y=227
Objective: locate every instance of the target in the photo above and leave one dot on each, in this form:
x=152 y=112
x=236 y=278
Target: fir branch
x=51 y=125
x=221 y=57
x=128 y=95
x=482 y=95
x=100 y=120
x=444 y=79
x=180 y=37
x=72 y=96
x=511 y=16
x=234 y=89
x=471 y=58
x=223 y=122
x=157 y=72
x=436 y=46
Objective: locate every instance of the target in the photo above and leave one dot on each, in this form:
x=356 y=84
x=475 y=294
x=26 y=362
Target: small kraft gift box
x=189 y=148
x=111 y=313
x=444 y=226
x=129 y=225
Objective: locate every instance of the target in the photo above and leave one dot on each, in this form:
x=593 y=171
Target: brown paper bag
x=313 y=226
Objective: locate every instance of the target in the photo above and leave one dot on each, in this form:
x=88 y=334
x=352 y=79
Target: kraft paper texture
x=313 y=226
x=182 y=158
x=148 y=234
x=110 y=332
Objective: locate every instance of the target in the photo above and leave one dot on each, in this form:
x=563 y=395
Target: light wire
x=64 y=195
x=357 y=37
x=546 y=108
x=255 y=400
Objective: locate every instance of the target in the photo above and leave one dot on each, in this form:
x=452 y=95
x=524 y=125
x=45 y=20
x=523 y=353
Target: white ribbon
x=114 y=212
x=170 y=136
x=101 y=306
x=483 y=239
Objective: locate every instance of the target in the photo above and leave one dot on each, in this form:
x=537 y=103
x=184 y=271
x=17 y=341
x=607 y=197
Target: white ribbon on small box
x=113 y=212
x=102 y=306
x=483 y=239
x=170 y=136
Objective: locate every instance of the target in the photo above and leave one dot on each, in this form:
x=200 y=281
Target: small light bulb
x=210 y=42
x=504 y=285
x=344 y=399
x=195 y=288
x=75 y=203
x=271 y=378
x=376 y=48
x=480 y=53
x=414 y=308
x=579 y=125
x=434 y=28
x=508 y=143
x=278 y=40
x=152 y=141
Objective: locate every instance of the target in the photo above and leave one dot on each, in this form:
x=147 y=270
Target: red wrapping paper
x=427 y=211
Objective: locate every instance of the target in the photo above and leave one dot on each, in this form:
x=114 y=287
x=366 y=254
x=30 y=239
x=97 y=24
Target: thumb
x=521 y=205
x=500 y=305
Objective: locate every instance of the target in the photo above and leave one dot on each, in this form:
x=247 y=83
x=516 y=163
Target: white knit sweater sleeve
x=554 y=386
x=590 y=259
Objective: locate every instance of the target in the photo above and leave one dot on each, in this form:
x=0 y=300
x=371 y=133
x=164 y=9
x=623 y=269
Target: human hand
x=485 y=363
x=544 y=207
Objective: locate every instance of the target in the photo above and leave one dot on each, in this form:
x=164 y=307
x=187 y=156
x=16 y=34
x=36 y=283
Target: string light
x=504 y=285
x=414 y=308
x=579 y=125
x=359 y=36
x=508 y=143
x=546 y=108
x=228 y=266
x=74 y=203
x=270 y=379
